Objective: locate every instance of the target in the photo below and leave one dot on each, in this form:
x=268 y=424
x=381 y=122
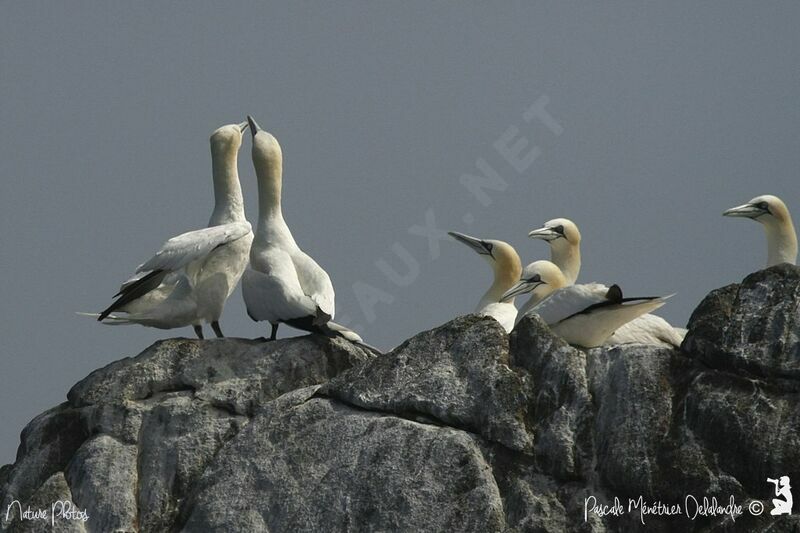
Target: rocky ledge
x=461 y=428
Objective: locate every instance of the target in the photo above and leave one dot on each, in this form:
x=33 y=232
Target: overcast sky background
x=667 y=114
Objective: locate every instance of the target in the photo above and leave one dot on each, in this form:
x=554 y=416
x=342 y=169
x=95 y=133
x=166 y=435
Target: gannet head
x=558 y=232
x=773 y=214
x=540 y=277
x=228 y=137
x=501 y=256
x=266 y=150
x=764 y=209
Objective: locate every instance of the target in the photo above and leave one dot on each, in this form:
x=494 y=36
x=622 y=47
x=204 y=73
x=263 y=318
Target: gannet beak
x=254 y=128
x=546 y=234
x=746 y=210
x=243 y=126
x=522 y=286
x=479 y=246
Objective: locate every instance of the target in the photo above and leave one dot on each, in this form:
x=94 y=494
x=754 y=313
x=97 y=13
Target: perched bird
x=565 y=245
x=564 y=239
x=189 y=279
x=773 y=214
x=507 y=268
x=283 y=284
x=583 y=315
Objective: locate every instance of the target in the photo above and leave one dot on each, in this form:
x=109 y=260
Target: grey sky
x=670 y=114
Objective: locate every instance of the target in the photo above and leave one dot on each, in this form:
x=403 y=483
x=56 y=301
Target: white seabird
x=283 y=284
x=773 y=214
x=564 y=239
x=189 y=279
x=583 y=315
x=507 y=268
x=565 y=245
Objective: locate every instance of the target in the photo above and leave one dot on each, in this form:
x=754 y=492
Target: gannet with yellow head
x=584 y=315
x=564 y=239
x=507 y=268
x=773 y=214
x=539 y=279
x=565 y=245
x=188 y=281
x=283 y=284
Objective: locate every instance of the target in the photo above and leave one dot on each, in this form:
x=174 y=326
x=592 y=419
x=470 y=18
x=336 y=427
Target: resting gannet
x=282 y=283
x=773 y=214
x=564 y=239
x=583 y=315
x=565 y=245
x=189 y=279
x=507 y=268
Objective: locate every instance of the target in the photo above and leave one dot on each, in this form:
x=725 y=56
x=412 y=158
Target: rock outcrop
x=461 y=428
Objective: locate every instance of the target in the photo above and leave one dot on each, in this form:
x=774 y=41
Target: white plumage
x=648 y=329
x=283 y=284
x=564 y=239
x=189 y=279
x=584 y=315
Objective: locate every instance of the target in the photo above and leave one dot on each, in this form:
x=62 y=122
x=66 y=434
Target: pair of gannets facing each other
x=773 y=214
x=507 y=268
x=188 y=281
x=564 y=239
x=283 y=284
x=583 y=315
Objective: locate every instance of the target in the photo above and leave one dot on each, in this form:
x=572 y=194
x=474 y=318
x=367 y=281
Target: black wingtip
x=321 y=318
x=614 y=293
x=135 y=290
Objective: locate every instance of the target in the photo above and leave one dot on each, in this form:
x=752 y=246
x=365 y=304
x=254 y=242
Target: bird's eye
x=559 y=229
x=535 y=279
x=763 y=205
x=488 y=246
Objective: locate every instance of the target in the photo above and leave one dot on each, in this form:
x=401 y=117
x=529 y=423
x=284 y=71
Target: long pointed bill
x=746 y=210
x=254 y=127
x=546 y=234
x=477 y=245
x=243 y=126
x=521 y=287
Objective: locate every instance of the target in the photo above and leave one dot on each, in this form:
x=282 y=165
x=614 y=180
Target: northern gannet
x=564 y=239
x=583 y=315
x=507 y=268
x=282 y=283
x=565 y=245
x=773 y=214
x=189 y=279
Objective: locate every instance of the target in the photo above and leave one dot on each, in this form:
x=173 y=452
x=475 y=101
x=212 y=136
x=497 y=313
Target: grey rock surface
x=753 y=327
x=461 y=428
x=457 y=375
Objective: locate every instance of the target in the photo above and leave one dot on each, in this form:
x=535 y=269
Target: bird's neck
x=228 y=203
x=504 y=279
x=269 y=191
x=271 y=226
x=568 y=259
x=781 y=242
x=542 y=293
x=532 y=302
